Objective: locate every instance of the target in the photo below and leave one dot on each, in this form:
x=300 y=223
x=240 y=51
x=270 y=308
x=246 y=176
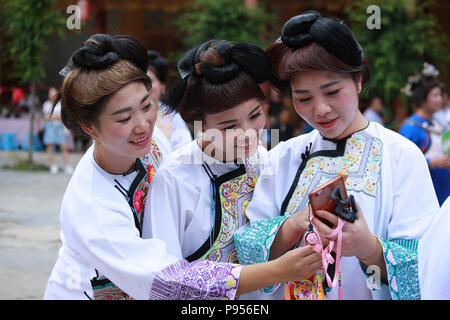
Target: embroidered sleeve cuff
x=400 y=256
x=199 y=280
x=254 y=240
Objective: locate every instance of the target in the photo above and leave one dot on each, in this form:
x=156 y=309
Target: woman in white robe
x=434 y=257
x=320 y=63
x=200 y=194
x=103 y=256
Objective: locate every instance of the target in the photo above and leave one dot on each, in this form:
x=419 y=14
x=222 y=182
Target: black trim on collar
x=217 y=181
x=339 y=151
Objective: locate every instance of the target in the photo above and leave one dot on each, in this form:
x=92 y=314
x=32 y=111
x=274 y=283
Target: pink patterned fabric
x=199 y=280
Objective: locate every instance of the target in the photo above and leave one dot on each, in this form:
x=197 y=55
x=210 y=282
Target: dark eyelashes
x=256 y=115
x=252 y=117
x=146 y=108
x=124 y=120
x=331 y=93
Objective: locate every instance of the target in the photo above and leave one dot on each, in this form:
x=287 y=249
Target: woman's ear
x=89 y=129
x=359 y=82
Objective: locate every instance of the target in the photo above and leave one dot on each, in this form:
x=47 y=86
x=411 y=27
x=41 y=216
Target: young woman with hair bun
x=105 y=95
x=319 y=62
x=200 y=194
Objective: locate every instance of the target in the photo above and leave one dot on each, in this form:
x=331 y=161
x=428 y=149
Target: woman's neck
x=113 y=164
x=424 y=113
x=359 y=123
x=210 y=150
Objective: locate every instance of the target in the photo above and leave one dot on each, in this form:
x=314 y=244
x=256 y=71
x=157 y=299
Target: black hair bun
x=331 y=33
x=232 y=59
x=252 y=60
x=159 y=63
x=295 y=32
x=96 y=53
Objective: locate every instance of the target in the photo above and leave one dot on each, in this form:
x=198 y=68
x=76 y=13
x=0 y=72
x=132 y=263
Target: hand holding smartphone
x=336 y=201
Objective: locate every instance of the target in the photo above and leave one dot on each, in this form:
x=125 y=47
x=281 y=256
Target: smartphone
x=320 y=199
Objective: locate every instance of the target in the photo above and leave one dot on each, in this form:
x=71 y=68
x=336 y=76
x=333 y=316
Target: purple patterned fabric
x=199 y=280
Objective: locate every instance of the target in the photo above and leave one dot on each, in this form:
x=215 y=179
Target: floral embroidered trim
x=200 y=280
x=402 y=268
x=401 y=260
x=109 y=291
x=235 y=195
x=253 y=242
x=361 y=159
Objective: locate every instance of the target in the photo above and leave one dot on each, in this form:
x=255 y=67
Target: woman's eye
x=124 y=120
x=332 y=93
x=147 y=107
x=256 y=115
x=304 y=100
x=230 y=127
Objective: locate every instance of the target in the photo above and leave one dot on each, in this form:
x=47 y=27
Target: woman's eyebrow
x=324 y=86
x=226 y=121
x=127 y=109
x=235 y=120
x=255 y=108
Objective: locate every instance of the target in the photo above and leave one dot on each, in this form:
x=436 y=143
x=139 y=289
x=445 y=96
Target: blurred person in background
x=427 y=134
x=372 y=113
x=55 y=133
x=171 y=125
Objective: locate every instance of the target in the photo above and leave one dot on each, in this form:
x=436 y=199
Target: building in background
x=151 y=22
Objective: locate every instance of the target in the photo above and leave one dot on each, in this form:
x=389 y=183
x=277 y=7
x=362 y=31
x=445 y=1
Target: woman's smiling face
x=235 y=131
x=327 y=100
x=124 y=129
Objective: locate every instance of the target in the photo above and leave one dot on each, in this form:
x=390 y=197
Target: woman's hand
x=298 y=264
x=299 y=221
x=441 y=162
x=295 y=265
x=357 y=240
x=289 y=233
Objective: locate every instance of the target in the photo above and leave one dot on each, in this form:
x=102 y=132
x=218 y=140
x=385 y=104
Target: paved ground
x=29 y=226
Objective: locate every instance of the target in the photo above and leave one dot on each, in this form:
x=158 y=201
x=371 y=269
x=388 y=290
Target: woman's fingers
x=327 y=216
x=321 y=227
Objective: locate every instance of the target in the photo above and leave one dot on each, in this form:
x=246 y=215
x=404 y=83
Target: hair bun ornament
x=186 y=65
x=96 y=53
x=429 y=72
x=295 y=32
x=252 y=60
x=220 y=70
x=330 y=33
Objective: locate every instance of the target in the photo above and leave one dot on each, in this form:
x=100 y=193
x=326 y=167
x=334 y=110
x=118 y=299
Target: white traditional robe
x=434 y=257
x=179 y=211
x=388 y=176
x=173 y=127
x=100 y=239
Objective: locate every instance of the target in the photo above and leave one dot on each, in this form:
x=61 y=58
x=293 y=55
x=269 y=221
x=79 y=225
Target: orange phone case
x=320 y=199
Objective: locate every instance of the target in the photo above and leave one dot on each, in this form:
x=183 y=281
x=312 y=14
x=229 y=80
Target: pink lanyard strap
x=326 y=254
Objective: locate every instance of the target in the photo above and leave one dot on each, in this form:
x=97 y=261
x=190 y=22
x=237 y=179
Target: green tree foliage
x=27 y=26
x=224 y=19
x=408 y=37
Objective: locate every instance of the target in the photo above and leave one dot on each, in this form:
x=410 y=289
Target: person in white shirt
x=105 y=94
x=434 y=257
x=321 y=64
x=372 y=113
x=200 y=194
x=55 y=133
